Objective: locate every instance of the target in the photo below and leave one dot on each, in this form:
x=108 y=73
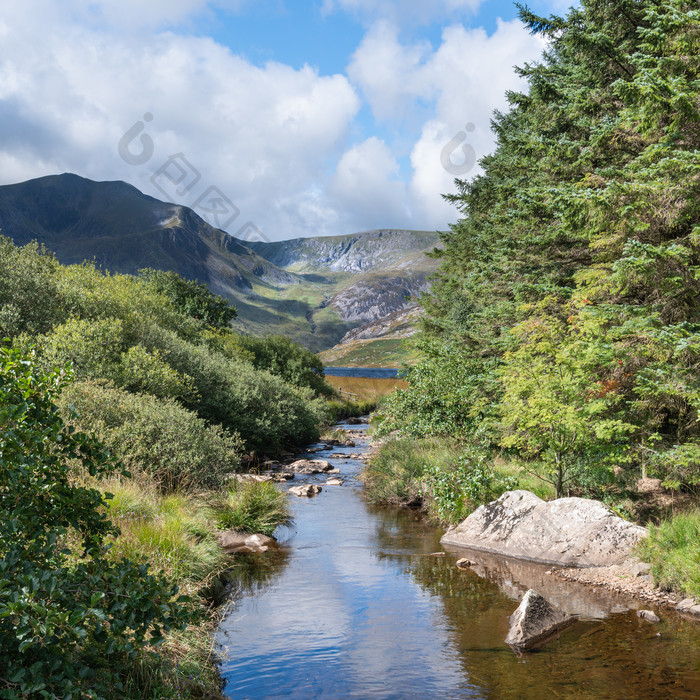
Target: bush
x=395 y=476
x=68 y=624
x=456 y=491
x=30 y=301
x=263 y=409
x=288 y=360
x=156 y=436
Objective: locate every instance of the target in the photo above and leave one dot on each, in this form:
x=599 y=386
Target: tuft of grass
x=252 y=506
x=526 y=479
x=673 y=552
x=437 y=474
x=335 y=434
x=174 y=533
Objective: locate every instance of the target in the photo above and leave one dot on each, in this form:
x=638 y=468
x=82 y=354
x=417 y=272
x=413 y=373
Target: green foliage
x=284 y=358
x=130 y=331
x=456 y=491
x=564 y=323
x=69 y=626
x=447 y=395
x=395 y=475
x=156 y=436
x=252 y=506
x=190 y=298
x=672 y=549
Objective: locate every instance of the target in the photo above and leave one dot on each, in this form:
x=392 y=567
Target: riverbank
x=421 y=473
x=632 y=579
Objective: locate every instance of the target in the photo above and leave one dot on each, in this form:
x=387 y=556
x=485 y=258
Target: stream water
x=355 y=604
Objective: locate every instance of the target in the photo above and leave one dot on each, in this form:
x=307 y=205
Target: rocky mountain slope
x=313 y=290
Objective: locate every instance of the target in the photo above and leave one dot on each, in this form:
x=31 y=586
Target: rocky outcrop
x=689 y=606
x=568 y=532
x=535 y=621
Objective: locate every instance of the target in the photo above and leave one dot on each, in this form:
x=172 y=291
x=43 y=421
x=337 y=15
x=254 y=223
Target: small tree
x=72 y=621
x=555 y=406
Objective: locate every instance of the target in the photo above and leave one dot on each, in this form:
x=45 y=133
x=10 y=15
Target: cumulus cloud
x=283 y=146
x=259 y=134
x=366 y=187
x=463 y=80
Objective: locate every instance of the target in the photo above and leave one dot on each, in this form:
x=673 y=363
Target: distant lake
x=375 y=372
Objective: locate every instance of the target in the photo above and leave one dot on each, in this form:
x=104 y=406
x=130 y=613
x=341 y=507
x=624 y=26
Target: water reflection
x=354 y=605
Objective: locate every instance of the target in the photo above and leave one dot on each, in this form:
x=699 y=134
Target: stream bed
x=363 y=602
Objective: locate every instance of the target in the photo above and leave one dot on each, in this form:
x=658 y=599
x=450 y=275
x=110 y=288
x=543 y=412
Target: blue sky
x=273 y=119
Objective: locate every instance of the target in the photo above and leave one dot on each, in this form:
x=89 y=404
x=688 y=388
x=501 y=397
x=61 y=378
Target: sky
x=273 y=119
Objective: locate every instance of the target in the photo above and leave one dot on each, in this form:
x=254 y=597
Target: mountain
x=314 y=290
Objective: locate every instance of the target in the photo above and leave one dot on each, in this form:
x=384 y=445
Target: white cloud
x=275 y=140
x=260 y=134
x=365 y=186
x=464 y=80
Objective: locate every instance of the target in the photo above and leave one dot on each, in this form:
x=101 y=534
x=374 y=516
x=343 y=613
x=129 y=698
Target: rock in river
x=245 y=543
x=305 y=490
x=534 y=621
x=310 y=466
x=568 y=531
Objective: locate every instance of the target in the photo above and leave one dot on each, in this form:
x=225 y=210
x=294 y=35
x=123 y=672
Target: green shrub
x=30 y=300
x=455 y=491
x=252 y=506
x=68 y=625
x=263 y=409
x=143 y=371
x=673 y=551
x=396 y=473
x=156 y=436
x=92 y=346
x=286 y=359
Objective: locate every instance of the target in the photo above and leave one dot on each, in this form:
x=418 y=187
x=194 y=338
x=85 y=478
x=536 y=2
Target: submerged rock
x=648 y=615
x=464 y=563
x=305 y=490
x=534 y=621
x=569 y=531
x=310 y=466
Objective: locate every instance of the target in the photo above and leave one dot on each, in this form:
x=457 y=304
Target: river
x=356 y=604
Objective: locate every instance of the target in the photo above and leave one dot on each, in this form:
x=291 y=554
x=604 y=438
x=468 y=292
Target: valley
x=311 y=290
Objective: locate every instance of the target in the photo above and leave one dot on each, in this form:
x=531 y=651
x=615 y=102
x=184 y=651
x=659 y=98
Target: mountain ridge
x=312 y=290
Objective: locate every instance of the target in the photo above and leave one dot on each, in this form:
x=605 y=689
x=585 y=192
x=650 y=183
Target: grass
x=380 y=352
x=367 y=388
x=435 y=474
x=252 y=506
x=176 y=533
x=395 y=474
x=673 y=551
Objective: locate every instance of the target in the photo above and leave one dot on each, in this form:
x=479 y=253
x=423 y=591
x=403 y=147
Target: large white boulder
x=567 y=532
